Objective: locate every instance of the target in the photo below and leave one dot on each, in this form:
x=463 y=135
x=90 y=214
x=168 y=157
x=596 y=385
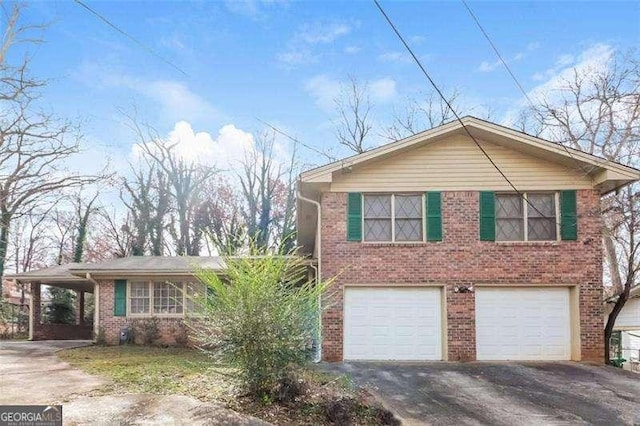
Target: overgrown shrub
x=180 y=333
x=261 y=318
x=146 y=331
x=289 y=387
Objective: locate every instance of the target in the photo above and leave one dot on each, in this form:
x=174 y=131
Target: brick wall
x=111 y=324
x=462 y=259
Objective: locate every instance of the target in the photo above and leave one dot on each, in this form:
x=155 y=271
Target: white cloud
x=254 y=9
x=596 y=57
x=395 y=57
x=352 y=50
x=324 y=90
x=533 y=45
x=383 y=90
x=175 y=99
x=225 y=151
x=487 y=66
x=322 y=33
x=302 y=48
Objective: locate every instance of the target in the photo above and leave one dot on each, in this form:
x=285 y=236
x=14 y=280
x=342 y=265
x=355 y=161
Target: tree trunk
x=5 y=222
x=611 y=320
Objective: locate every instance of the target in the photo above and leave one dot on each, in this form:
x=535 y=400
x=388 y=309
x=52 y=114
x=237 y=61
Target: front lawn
x=138 y=369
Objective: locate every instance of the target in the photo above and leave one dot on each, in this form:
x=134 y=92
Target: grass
x=138 y=369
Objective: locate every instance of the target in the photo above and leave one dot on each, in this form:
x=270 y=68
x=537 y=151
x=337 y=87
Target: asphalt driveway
x=477 y=393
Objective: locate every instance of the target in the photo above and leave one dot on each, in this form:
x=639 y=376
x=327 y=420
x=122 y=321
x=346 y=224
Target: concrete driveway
x=31 y=373
x=562 y=393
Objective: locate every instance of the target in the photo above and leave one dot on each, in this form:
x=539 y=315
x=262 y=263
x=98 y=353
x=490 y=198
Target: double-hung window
x=527 y=217
x=147 y=298
x=393 y=217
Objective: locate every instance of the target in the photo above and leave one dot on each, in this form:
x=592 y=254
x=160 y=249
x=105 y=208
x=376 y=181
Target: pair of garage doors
x=406 y=324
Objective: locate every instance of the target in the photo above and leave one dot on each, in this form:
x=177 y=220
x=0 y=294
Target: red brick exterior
x=462 y=259
x=110 y=325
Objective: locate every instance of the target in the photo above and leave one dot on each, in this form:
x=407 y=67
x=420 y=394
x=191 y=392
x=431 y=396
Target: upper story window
x=393 y=217
x=531 y=217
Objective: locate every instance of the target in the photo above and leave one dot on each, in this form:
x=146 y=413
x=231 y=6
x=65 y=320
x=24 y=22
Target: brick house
x=437 y=257
x=127 y=291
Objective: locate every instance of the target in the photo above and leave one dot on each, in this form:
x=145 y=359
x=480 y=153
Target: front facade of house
x=133 y=293
x=437 y=257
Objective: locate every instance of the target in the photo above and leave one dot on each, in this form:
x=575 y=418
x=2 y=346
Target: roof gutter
x=318 y=269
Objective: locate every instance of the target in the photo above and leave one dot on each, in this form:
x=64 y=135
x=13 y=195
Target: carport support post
x=80 y=307
x=34 y=311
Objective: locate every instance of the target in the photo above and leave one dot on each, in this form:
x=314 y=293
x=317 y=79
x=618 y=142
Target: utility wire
x=295 y=140
x=437 y=89
x=515 y=79
x=129 y=36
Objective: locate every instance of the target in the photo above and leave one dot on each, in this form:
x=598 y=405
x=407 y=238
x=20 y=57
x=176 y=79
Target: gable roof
x=606 y=175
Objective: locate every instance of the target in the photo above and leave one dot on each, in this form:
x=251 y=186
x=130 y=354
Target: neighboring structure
x=14 y=293
x=436 y=257
x=626 y=332
x=125 y=290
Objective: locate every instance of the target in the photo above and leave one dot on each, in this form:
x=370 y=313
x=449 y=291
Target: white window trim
x=423 y=225
x=151 y=313
x=525 y=215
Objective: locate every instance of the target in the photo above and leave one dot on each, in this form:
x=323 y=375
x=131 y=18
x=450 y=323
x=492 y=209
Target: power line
x=295 y=140
x=437 y=89
x=515 y=79
x=130 y=37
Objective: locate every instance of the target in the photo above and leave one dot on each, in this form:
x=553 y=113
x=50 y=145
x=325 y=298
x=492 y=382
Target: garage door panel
x=392 y=324
x=523 y=324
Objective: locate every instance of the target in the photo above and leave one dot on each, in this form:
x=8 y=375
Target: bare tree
x=353 y=125
x=182 y=179
x=34 y=146
x=422 y=113
x=598 y=111
x=268 y=193
x=146 y=196
x=222 y=219
x=84 y=210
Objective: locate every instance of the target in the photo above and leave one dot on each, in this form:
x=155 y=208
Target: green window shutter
x=434 y=216
x=120 y=298
x=568 y=215
x=487 y=216
x=354 y=216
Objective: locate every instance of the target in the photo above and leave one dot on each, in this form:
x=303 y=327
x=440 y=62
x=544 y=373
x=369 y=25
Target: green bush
x=60 y=309
x=261 y=318
x=618 y=362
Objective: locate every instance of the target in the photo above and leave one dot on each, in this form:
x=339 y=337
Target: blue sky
x=283 y=62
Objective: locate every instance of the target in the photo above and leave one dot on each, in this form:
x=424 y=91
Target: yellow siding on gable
x=457 y=164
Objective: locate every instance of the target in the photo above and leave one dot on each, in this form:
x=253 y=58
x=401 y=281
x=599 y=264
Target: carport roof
x=149 y=265
x=52 y=275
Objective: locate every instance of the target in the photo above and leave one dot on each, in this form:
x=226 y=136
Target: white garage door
x=523 y=324
x=392 y=324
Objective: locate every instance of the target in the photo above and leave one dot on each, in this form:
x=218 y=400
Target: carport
x=56 y=276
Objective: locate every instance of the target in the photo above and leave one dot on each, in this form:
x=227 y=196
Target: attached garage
x=393 y=323
x=523 y=323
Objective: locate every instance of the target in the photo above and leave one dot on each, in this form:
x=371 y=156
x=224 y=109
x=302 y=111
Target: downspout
x=318 y=269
